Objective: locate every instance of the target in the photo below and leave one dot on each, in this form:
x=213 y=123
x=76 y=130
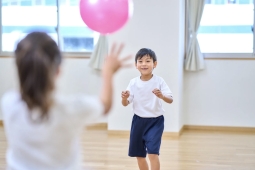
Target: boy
x=146 y=92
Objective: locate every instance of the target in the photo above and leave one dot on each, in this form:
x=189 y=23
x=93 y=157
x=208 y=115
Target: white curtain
x=194 y=60
x=99 y=53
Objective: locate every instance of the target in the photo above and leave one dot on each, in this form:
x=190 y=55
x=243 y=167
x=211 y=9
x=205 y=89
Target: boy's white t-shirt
x=145 y=102
x=52 y=144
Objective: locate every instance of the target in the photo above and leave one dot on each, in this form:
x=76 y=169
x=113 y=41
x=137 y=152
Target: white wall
x=158 y=25
x=8 y=78
x=221 y=95
x=76 y=77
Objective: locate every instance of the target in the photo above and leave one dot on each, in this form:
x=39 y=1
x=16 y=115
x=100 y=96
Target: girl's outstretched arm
x=112 y=64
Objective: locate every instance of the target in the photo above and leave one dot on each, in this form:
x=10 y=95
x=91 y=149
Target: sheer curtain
x=99 y=53
x=194 y=60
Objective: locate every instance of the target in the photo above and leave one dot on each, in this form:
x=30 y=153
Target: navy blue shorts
x=145 y=136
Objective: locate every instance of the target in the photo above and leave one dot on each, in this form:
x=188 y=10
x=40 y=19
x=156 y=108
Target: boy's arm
x=166 y=94
x=125 y=95
x=124 y=102
x=167 y=99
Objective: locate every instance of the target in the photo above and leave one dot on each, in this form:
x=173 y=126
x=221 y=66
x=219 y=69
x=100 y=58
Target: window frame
x=223 y=55
x=65 y=54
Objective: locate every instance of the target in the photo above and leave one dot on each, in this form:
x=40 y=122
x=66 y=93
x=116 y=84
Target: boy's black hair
x=145 y=51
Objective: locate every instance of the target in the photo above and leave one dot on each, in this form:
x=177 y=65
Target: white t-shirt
x=145 y=102
x=52 y=144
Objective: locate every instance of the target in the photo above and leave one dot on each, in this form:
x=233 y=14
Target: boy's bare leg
x=142 y=163
x=154 y=160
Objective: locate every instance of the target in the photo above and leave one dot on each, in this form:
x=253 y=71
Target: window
x=19 y=17
x=219 y=1
x=62 y=2
x=50 y=2
x=226 y=27
x=244 y=1
x=74 y=35
x=76 y=43
x=227 y=1
x=26 y=3
x=38 y=2
x=208 y=1
x=14 y=3
x=74 y=2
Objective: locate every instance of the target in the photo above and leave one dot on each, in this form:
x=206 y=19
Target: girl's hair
x=37 y=58
x=143 y=52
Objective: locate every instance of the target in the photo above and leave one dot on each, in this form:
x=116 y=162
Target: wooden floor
x=194 y=150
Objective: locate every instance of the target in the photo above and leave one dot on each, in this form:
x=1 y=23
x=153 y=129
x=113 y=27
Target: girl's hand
x=113 y=62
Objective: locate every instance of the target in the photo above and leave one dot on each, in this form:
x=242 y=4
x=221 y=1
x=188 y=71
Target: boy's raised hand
x=158 y=93
x=113 y=62
x=125 y=94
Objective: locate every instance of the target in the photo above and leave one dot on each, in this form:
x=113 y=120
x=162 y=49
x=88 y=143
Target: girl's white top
x=52 y=144
x=145 y=102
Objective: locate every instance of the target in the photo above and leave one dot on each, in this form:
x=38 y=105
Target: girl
x=42 y=128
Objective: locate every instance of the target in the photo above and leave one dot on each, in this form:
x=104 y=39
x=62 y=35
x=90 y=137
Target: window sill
x=76 y=54
x=229 y=56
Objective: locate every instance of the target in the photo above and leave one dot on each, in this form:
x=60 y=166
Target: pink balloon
x=105 y=16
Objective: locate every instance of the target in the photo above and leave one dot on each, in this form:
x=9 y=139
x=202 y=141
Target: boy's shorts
x=145 y=136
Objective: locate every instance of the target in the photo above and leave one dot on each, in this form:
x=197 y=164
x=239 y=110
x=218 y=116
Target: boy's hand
x=125 y=94
x=158 y=93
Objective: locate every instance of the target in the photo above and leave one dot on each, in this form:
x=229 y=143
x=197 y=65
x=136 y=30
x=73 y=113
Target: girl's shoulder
x=10 y=96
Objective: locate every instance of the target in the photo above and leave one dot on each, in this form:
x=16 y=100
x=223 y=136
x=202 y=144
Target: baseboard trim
x=220 y=128
x=181 y=131
x=126 y=134
x=118 y=133
x=97 y=126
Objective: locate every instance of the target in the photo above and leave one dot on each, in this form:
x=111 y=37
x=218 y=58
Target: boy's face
x=145 y=65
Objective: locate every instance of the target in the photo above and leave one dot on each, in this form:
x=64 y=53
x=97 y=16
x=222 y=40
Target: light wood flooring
x=194 y=150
